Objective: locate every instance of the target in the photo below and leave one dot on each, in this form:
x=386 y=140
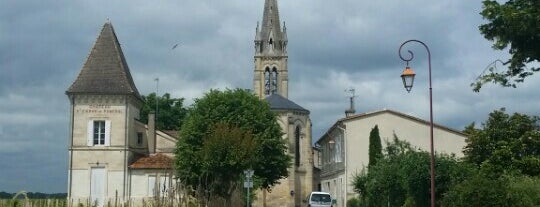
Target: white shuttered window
x=99 y=133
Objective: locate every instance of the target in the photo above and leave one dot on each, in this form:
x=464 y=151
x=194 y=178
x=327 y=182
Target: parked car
x=319 y=199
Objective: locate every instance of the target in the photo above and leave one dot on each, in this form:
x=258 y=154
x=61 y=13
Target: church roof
x=278 y=102
x=153 y=161
x=105 y=70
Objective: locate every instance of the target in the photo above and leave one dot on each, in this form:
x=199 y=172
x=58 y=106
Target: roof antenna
x=351 y=92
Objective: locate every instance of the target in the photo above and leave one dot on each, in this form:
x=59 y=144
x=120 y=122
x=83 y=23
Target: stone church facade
x=115 y=158
x=270 y=82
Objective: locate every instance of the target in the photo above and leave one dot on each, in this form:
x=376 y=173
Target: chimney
x=151 y=132
x=349 y=112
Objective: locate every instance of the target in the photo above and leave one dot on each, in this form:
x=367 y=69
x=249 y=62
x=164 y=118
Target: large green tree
x=505 y=143
x=201 y=152
x=375 y=146
x=170 y=111
x=514 y=25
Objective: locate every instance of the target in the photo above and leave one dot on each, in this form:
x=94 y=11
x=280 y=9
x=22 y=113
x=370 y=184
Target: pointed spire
x=105 y=70
x=271 y=33
x=257 y=33
x=284 y=32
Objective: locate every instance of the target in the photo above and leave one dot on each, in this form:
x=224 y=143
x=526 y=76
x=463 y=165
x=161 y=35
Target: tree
x=481 y=190
x=235 y=109
x=170 y=114
x=505 y=143
x=226 y=152
x=375 y=146
x=513 y=24
x=402 y=177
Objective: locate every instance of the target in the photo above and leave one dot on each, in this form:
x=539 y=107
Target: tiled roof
x=153 y=161
x=105 y=70
x=278 y=102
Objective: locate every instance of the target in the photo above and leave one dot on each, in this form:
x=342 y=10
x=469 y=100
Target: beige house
x=344 y=148
x=113 y=157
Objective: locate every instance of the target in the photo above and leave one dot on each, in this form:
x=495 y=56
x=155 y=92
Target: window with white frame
x=151 y=186
x=338 y=151
x=163 y=184
x=99 y=132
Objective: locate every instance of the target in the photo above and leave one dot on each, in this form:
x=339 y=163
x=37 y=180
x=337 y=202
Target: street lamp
x=408 y=80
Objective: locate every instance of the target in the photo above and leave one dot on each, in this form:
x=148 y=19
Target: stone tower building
x=270 y=82
x=271 y=73
x=104 y=102
x=113 y=157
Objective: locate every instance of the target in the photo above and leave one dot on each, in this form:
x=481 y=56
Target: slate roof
x=278 y=102
x=105 y=70
x=153 y=161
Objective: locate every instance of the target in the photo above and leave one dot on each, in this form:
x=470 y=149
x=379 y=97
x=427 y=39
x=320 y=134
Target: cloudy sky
x=333 y=45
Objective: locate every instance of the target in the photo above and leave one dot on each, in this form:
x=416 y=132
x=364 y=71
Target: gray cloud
x=332 y=46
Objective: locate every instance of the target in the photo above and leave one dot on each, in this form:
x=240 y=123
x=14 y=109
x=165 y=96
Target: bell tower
x=271 y=73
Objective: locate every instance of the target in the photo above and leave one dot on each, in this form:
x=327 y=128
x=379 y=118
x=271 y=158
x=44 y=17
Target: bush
x=354 y=202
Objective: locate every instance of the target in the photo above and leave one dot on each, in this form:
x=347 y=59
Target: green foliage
x=170 y=114
x=225 y=154
x=482 y=190
x=354 y=202
x=203 y=147
x=505 y=143
x=513 y=24
x=375 y=146
x=402 y=177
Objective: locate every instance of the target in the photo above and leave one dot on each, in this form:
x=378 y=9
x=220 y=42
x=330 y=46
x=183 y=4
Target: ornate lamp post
x=408 y=80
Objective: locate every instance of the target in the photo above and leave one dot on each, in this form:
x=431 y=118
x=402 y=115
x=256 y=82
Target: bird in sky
x=174 y=46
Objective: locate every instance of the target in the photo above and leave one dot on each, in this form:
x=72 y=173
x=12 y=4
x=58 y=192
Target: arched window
x=274 y=85
x=267 y=77
x=297 y=146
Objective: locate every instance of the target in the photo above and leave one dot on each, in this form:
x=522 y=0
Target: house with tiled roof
x=112 y=155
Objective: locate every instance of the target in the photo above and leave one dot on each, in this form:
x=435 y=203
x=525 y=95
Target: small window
x=99 y=132
x=139 y=138
x=151 y=185
x=163 y=185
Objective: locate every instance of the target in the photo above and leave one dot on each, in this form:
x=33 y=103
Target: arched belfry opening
x=270 y=81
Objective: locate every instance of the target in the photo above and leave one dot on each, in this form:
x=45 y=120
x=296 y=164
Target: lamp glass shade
x=408 y=78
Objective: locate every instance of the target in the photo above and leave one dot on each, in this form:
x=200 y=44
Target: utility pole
x=157 y=96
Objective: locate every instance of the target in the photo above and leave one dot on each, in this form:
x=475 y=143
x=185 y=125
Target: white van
x=319 y=199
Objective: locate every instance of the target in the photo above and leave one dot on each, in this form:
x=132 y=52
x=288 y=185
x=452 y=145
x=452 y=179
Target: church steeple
x=271 y=39
x=271 y=73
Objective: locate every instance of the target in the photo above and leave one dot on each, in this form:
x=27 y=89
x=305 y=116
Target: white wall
x=357 y=130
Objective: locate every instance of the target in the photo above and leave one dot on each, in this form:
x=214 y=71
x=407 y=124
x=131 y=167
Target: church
x=115 y=158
